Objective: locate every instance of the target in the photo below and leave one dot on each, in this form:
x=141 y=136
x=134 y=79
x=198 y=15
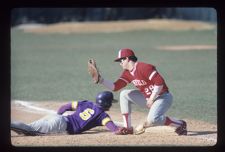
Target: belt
x=66 y=119
x=160 y=94
x=166 y=91
x=67 y=122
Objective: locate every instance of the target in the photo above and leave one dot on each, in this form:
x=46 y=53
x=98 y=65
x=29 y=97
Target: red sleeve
x=119 y=84
x=147 y=69
x=152 y=74
x=122 y=81
x=157 y=79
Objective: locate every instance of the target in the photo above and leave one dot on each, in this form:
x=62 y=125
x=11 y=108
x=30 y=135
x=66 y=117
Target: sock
x=127 y=120
x=172 y=122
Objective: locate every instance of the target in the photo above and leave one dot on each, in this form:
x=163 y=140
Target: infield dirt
x=199 y=133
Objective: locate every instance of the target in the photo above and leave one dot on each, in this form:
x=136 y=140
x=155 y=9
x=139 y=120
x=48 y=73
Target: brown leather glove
x=93 y=71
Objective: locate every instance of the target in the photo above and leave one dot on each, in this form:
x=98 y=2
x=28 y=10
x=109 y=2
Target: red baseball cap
x=125 y=52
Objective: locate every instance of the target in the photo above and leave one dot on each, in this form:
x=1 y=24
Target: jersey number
x=86 y=114
x=149 y=90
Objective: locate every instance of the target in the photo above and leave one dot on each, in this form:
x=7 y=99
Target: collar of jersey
x=134 y=68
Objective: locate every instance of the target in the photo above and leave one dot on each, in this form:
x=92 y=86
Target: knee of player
x=123 y=95
x=154 y=120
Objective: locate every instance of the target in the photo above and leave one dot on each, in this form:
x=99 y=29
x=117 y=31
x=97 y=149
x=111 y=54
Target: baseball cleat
x=124 y=131
x=25 y=132
x=182 y=130
x=130 y=131
x=21 y=128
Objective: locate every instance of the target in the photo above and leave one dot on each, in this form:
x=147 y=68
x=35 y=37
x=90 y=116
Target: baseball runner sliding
x=87 y=115
x=152 y=92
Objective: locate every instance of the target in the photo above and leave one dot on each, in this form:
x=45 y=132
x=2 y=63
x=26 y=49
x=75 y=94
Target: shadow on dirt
x=94 y=131
x=196 y=133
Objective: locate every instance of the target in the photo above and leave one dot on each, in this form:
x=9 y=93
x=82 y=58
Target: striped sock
x=172 y=122
x=127 y=120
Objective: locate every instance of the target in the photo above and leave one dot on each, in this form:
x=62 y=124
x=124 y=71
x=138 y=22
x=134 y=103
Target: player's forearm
x=108 y=84
x=111 y=126
x=157 y=89
x=64 y=108
x=113 y=86
x=155 y=93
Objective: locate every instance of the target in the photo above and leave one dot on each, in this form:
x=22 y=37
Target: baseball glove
x=139 y=129
x=124 y=131
x=93 y=71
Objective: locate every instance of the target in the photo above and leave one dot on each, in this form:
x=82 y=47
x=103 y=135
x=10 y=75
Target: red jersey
x=143 y=76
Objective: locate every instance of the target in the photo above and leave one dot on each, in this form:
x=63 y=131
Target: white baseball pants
x=156 y=115
x=50 y=124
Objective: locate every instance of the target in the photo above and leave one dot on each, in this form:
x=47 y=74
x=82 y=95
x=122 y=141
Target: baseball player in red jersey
x=152 y=93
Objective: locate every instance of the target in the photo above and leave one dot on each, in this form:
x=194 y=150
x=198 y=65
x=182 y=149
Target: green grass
x=54 y=66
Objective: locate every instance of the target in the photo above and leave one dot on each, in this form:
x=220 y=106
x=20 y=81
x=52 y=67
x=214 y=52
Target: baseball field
x=49 y=68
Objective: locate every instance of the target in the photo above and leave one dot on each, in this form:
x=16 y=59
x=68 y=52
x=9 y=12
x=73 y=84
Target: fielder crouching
x=151 y=92
x=87 y=115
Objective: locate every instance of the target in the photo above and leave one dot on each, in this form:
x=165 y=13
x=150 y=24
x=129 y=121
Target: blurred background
x=50 y=48
x=54 y=15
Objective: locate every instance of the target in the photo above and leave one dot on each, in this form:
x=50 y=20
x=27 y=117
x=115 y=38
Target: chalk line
x=29 y=105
